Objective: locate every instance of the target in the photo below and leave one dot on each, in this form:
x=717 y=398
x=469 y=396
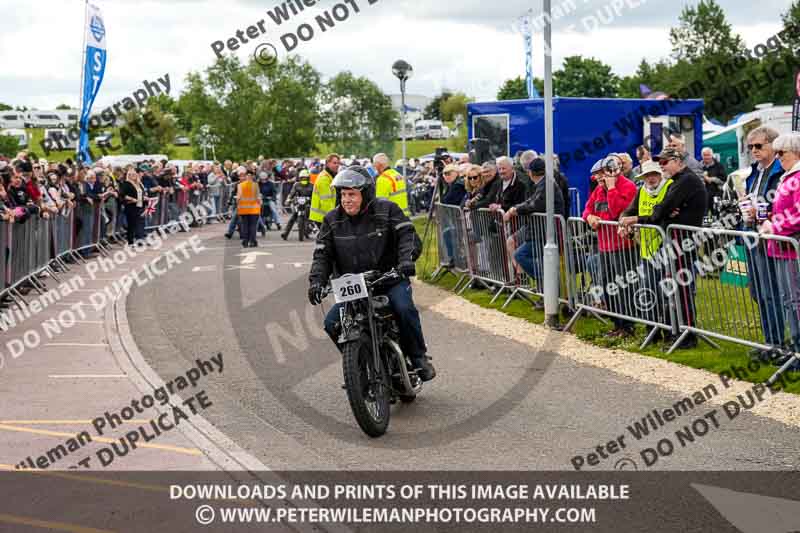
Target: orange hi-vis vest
x=248 y=199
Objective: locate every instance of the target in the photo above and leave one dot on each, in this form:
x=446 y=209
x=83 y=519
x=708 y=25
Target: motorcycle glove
x=315 y=294
x=407 y=269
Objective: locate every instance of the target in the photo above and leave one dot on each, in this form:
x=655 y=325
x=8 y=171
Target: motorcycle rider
x=368 y=233
x=303 y=189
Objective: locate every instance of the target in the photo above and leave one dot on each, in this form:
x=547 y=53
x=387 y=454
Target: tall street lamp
x=402 y=71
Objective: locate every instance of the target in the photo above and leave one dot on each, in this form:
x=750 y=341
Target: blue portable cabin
x=586 y=129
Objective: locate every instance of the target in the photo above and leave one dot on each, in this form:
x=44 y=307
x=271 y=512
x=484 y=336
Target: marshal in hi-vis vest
x=650 y=239
x=248 y=199
x=323 y=199
x=391 y=185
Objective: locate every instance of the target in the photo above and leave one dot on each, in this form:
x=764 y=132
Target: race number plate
x=301 y=201
x=349 y=287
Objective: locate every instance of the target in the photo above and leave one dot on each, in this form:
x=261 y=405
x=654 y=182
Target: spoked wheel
x=301 y=227
x=367 y=387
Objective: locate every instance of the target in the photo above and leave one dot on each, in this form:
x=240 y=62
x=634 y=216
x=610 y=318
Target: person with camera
x=613 y=194
x=367 y=233
x=761 y=185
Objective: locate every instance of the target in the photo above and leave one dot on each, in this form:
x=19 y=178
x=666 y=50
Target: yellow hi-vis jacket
x=249 y=203
x=323 y=199
x=650 y=239
x=391 y=185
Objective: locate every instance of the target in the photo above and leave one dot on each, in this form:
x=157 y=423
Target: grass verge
x=592 y=330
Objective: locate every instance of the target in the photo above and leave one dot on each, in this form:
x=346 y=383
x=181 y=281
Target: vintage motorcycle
x=376 y=372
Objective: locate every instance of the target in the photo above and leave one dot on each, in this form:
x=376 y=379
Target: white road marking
x=248 y=258
x=270 y=266
x=90 y=376
x=210 y=268
x=76 y=344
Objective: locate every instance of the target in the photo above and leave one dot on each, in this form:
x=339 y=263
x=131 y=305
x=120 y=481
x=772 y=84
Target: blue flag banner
x=94 y=67
x=532 y=92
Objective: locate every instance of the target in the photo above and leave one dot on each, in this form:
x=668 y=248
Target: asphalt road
x=495 y=405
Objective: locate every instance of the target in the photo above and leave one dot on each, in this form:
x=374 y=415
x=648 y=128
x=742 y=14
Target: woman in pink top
x=785 y=221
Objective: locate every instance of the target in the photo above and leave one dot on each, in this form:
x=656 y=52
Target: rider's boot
x=425 y=369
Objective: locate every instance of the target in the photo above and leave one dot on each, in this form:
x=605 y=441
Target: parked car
x=12 y=119
x=182 y=141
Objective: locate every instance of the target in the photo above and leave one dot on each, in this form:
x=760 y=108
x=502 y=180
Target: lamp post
x=551 y=260
x=402 y=71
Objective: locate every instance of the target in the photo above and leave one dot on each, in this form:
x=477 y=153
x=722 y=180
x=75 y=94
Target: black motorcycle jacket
x=298 y=189
x=381 y=237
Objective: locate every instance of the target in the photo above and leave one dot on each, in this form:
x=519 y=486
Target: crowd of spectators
x=663 y=189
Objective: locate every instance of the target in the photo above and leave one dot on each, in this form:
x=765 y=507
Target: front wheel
x=301 y=227
x=367 y=387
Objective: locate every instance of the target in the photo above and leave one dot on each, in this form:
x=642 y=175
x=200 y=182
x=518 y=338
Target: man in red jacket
x=609 y=199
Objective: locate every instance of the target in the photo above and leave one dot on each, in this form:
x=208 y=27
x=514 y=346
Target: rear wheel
x=367 y=387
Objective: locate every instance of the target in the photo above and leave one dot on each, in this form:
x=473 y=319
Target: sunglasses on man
x=757 y=146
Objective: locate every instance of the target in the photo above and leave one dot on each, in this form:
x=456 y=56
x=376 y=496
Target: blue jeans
x=529 y=257
x=412 y=341
x=233 y=222
x=447 y=237
x=789 y=287
x=764 y=290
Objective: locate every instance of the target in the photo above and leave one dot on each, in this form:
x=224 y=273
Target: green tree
x=169 y=105
x=5 y=107
x=704 y=33
x=517 y=88
x=585 y=77
x=433 y=111
x=63 y=107
x=255 y=109
x=454 y=106
x=357 y=117
x=147 y=131
x=9 y=146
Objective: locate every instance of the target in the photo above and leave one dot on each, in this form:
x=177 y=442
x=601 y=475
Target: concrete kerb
x=215 y=445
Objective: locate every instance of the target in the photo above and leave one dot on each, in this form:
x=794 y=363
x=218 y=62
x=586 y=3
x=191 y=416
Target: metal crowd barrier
x=528 y=236
x=489 y=263
x=748 y=287
x=625 y=280
x=5 y=246
x=452 y=243
x=721 y=284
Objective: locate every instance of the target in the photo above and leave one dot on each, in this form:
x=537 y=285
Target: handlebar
x=373 y=279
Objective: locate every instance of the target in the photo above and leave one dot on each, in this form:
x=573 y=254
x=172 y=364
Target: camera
x=726 y=212
x=438 y=160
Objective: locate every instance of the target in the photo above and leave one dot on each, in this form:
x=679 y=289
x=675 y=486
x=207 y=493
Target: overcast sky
x=469 y=46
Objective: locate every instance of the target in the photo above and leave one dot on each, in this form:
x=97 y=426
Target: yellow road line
x=112 y=482
x=176 y=449
x=87 y=479
x=66 y=422
x=60 y=526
